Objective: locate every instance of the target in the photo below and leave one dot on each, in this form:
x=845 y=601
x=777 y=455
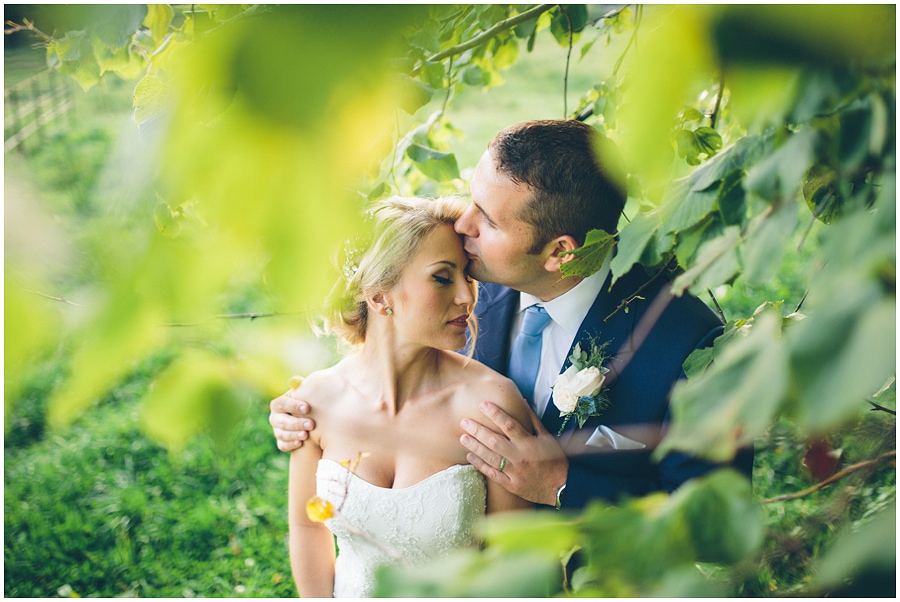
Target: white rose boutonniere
x=579 y=390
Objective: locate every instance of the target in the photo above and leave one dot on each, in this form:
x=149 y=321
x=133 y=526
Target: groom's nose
x=464 y=224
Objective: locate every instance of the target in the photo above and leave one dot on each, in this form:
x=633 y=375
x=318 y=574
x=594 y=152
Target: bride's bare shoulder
x=480 y=383
x=322 y=386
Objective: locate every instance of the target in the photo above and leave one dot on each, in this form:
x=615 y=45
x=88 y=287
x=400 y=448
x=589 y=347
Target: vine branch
x=568 y=61
x=715 y=114
x=637 y=294
x=489 y=33
x=835 y=477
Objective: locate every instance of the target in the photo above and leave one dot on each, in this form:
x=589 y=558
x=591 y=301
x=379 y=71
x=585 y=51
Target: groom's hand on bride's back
x=290 y=425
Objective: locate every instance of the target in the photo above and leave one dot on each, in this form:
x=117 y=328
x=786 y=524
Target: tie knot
x=536 y=319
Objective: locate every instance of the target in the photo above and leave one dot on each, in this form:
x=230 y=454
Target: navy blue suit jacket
x=649 y=344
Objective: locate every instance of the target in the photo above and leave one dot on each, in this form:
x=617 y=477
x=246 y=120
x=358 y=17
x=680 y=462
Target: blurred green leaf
x=470 y=574
x=780 y=174
x=764 y=247
x=194 y=394
x=726 y=523
x=733 y=402
x=869 y=553
x=159 y=18
x=118 y=23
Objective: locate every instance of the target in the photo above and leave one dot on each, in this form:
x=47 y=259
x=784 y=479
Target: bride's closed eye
x=442 y=280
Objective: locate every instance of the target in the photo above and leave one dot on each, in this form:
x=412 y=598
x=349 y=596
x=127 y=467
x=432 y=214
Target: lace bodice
x=411 y=525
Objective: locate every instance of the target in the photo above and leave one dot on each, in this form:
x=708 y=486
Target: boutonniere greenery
x=579 y=391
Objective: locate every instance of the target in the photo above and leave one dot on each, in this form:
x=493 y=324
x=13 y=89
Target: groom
x=536 y=192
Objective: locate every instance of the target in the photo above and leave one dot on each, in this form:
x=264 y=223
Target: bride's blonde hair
x=400 y=226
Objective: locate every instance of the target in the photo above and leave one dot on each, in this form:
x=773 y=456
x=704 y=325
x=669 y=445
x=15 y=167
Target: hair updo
x=400 y=225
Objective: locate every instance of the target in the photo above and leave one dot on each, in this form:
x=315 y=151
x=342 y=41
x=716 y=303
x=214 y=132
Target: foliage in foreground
x=793 y=133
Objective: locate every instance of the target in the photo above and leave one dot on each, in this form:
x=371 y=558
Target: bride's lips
x=460 y=321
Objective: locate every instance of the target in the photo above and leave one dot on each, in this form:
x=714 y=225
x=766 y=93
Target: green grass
x=100 y=510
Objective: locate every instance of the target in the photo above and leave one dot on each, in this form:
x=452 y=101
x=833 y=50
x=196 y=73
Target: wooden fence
x=32 y=105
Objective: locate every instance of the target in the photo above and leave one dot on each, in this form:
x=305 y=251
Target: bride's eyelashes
x=441 y=280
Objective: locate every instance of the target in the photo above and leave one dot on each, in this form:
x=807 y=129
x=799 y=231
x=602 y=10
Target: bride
x=385 y=453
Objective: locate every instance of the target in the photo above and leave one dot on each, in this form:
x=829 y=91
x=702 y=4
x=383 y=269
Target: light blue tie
x=525 y=359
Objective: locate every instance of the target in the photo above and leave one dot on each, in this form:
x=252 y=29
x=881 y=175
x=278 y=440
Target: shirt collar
x=569 y=309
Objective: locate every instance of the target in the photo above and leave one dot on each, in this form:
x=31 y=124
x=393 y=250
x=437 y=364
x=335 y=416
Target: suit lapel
x=615 y=331
x=495 y=311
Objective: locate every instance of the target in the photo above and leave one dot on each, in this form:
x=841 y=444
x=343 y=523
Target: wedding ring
x=502 y=463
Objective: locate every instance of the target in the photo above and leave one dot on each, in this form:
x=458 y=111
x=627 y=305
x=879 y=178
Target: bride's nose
x=464 y=295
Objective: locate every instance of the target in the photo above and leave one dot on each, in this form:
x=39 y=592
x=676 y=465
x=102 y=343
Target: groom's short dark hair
x=573 y=192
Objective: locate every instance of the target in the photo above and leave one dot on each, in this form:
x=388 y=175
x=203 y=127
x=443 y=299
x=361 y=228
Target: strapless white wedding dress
x=409 y=526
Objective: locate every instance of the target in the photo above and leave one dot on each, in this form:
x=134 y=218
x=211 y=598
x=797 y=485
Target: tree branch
x=835 y=477
x=638 y=14
x=489 y=33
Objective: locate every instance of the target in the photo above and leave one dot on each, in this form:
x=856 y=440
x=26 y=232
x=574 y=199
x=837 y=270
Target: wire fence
x=33 y=105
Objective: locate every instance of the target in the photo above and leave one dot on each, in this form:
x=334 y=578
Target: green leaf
x=861 y=554
x=780 y=174
x=118 y=23
x=194 y=394
x=692 y=114
x=733 y=402
x=716 y=263
x=691 y=239
x=724 y=521
x=682 y=212
x=841 y=354
x=765 y=244
x=150 y=98
x=708 y=140
x=414 y=94
x=739 y=157
x=732 y=199
x=589 y=257
x=437 y=165
x=473 y=75
x=633 y=240
x=159 y=18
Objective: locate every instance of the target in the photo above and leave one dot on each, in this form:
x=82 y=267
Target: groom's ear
x=557 y=252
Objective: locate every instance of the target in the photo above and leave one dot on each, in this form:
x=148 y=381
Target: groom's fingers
x=484 y=443
x=507 y=424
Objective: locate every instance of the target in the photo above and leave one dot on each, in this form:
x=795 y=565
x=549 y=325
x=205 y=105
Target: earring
x=389 y=311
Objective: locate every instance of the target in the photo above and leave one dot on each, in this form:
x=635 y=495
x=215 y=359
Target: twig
x=835 y=477
x=28 y=26
x=51 y=297
x=627 y=301
x=880 y=408
x=489 y=33
x=243 y=316
x=715 y=114
x=718 y=308
x=639 y=11
x=568 y=61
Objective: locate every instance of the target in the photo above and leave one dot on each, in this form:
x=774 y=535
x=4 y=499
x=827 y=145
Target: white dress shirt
x=567 y=312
